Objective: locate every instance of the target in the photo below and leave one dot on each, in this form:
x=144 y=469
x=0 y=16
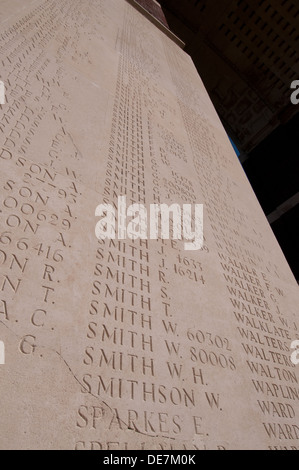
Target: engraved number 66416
x=295 y=354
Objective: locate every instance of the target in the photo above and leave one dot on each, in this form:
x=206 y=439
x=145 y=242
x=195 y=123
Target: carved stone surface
x=130 y=344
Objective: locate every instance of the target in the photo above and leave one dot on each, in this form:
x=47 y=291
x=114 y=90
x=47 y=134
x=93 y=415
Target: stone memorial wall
x=121 y=343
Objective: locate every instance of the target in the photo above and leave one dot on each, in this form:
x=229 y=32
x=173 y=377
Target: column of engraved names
x=38 y=208
x=32 y=78
x=183 y=359
x=177 y=399
x=177 y=394
x=38 y=211
x=209 y=349
x=255 y=307
x=181 y=395
x=21 y=47
x=265 y=334
x=120 y=346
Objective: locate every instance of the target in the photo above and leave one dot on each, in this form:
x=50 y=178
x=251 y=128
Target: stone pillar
x=121 y=343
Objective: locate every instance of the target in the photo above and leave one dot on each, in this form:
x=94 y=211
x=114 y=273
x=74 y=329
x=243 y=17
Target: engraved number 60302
x=295 y=354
